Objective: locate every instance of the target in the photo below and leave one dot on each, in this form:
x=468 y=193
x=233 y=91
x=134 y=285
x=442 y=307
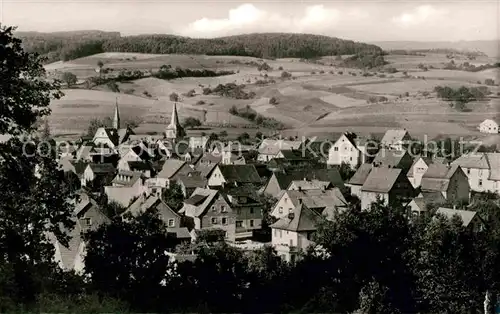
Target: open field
x=309 y=103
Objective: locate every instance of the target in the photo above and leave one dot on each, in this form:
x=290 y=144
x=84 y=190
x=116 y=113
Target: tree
x=113 y=87
x=346 y=172
x=173 y=196
x=96 y=123
x=174 y=97
x=223 y=134
x=191 y=122
x=100 y=64
x=24 y=96
x=46 y=130
x=69 y=78
x=243 y=137
x=259 y=135
x=273 y=101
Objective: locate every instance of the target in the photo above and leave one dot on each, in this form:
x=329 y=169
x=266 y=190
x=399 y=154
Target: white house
x=417 y=170
x=482 y=170
x=489 y=126
x=347 y=150
x=395 y=139
x=269 y=149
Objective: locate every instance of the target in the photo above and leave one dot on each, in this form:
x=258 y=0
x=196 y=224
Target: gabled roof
x=272 y=147
x=389 y=157
x=465 y=215
x=192 y=181
x=426 y=160
x=290 y=154
x=102 y=168
x=300 y=220
x=428 y=197
x=140 y=165
x=496 y=121
x=329 y=175
x=318 y=199
x=392 y=137
x=381 y=179
x=494 y=163
x=205 y=170
x=201 y=199
x=472 y=160
x=310 y=185
x=437 y=177
x=170 y=168
x=126 y=178
x=361 y=174
x=142 y=205
x=240 y=173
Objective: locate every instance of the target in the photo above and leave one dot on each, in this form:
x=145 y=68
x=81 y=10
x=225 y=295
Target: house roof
x=389 y=157
x=426 y=160
x=126 y=178
x=140 y=165
x=318 y=198
x=201 y=199
x=494 y=163
x=361 y=174
x=102 y=168
x=272 y=147
x=472 y=160
x=141 y=205
x=205 y=170
x=290 y=154
x=465 y=215
x=428 y=197
x=310 y=185
x=170 y=168
x=437 y=177
x=381 y=179
x=329 y=175
x=392 y=137
x=180 y=232
x=240 y=173
x=301 y=219
x=192 y=181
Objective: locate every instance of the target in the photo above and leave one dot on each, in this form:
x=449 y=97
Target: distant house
x=358 y=179
x=450 y=181
x=125 y=187
x=293 y=232
x=349 y=150
x=393 y=159
x=420 y=204
x=417 y=170
x=470 y=219
x=395 y=139
x=171 y=219
x=170 y=169
x=303 y=185
x=279 y=182
x=199 y=142
x=144 y=167
x=482 y=170
x=249 y=210
x=87 y=216
x=97 y=171
x=390 y=185
x=210 y=210
x=234 y=175
x=324 y=201
x=269 y=149
x=190 y=182
x=489 y=126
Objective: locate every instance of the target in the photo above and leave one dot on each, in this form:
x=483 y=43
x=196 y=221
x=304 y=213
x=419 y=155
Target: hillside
x=489 y=47
x=73 y=45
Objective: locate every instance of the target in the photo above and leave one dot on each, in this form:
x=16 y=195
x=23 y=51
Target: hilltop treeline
x=66 y=46
x=167 y=72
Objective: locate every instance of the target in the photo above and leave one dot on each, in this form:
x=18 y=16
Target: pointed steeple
x=116 y=118
x=174 y=119
x=174 y=129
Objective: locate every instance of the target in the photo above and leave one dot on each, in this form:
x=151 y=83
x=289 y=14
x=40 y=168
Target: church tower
x=116 y=118
x=174 y=130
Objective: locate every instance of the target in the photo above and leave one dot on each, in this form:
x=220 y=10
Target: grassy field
x=318 y=100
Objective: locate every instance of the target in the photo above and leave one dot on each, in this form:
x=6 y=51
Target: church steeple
x=174 y=129
x=116 y=118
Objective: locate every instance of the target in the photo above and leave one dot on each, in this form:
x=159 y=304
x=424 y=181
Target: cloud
x=248 y=18
x=420 y=15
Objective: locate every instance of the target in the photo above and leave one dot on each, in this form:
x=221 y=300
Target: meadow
x=319 y=99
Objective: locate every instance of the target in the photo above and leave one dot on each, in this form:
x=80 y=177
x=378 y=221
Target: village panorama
x=345 y=160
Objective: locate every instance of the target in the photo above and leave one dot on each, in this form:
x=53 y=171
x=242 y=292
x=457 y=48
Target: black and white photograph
x=226 y=156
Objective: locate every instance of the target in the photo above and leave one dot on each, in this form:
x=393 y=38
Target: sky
x=367 y=20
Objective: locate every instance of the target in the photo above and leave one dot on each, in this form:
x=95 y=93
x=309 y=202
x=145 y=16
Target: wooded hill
x=71 y=45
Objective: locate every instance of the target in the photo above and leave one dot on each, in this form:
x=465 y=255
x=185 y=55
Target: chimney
x=300 y=200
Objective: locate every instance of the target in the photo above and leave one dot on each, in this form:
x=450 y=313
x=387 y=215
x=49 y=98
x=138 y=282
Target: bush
x=174 y=97
x=273 y=101
x=190 y=93
x=321 y=72
x=146 y=93
x=113 y=87
x=489 y=82
x=129 y=91
x=280 y=68
x=191 y=122
x=285 y=75
x=340 y=72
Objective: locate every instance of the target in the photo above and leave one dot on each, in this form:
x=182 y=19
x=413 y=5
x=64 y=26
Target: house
x=420 y=204
x=489 y=126
x=224 y=175
x=470 y=219
x=210 y=210
x=249 y=210
x=314 y=184
x=482 y=170
x=395 y=139
x=135 y=153
x=390 y=185
x=358 y=179
x=349 y=150
x=393 y=159
x=144 y=167
x=170 y=169
x=417 y=170
x=190 y=182
x=100 y=172
x=323 y=201
x=199 y=142
x=293 y=232
x=234 y=147
x=268 y=148
x=278 y=182
x=125 y=187
x=450 y=181
x=171 y=219
x=87 y=216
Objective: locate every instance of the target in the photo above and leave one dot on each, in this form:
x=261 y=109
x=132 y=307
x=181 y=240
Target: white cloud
x=420 y=15
x=248 y=18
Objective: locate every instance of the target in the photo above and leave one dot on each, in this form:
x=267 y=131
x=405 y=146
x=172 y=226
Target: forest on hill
x=71 y=45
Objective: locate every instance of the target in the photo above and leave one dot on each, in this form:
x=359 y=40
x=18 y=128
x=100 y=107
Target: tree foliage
x=69 y=78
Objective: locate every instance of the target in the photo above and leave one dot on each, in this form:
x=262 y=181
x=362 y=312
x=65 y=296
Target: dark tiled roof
x=196 y=199
x=330 y=175
x=102 y=168
x=140 y=165
x=301 y=219
x=240 y=173
x=192 y=181
x=381 y=179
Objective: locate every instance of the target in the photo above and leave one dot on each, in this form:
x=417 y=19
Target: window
x=281 y=234
x=276 y=232
x=239 y=224
x=213 y=208
x=336 y=149
x=238 y=211
x=171 y=223
x=251 y=210
x=251 y=223
x=291 y=242
x=480 y=182
x=468 y=170
x=281 y=210
x=350 y=158
x=223 y=209
x=214 y=220
x=86 y=222
x=224 y=220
